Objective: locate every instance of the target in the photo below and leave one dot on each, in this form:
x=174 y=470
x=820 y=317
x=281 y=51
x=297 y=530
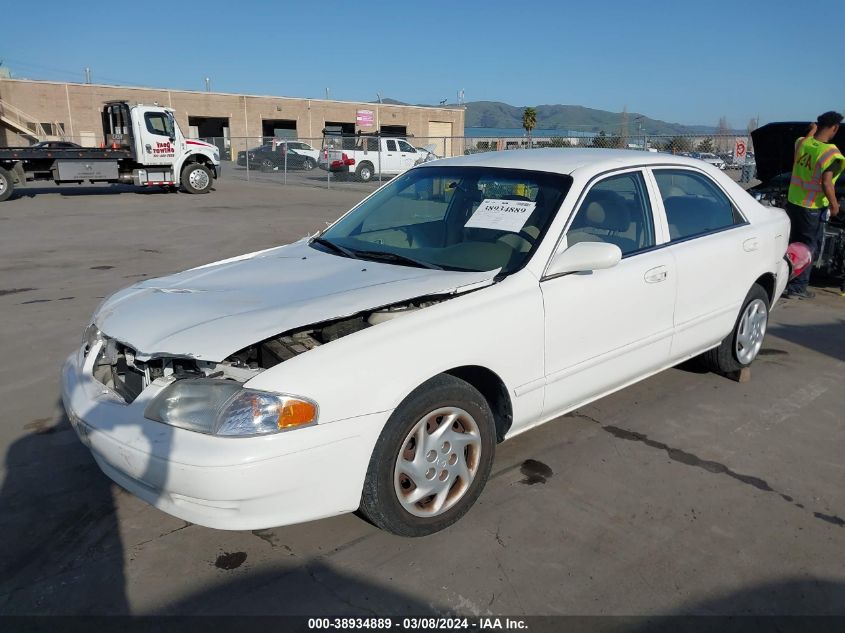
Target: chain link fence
x=364 y=161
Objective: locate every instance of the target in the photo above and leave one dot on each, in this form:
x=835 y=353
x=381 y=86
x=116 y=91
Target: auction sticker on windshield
x=502 y=215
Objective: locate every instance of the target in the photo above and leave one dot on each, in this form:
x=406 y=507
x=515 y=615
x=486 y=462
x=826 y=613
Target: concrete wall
x=78 y=107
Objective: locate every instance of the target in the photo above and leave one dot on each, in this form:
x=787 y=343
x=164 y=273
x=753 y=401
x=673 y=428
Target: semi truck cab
x=152 y=135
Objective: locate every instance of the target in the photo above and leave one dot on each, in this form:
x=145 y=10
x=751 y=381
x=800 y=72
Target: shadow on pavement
x=785 y=606
x=824 y=338
x=311 y=589
x=82 y=190
x=61 y=543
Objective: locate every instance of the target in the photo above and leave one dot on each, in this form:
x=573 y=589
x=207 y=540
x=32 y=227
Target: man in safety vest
x=812 y=194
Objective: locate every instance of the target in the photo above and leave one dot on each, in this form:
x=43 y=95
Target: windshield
x=454 y=218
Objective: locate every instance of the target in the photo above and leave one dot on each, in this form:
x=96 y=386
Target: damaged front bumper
x=219 y=482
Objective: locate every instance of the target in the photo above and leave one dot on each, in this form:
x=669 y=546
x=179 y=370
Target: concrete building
x=48 y=110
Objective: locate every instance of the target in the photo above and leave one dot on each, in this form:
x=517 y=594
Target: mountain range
x=495 y=114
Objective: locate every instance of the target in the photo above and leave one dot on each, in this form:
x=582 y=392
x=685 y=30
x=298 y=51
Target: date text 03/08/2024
x=421 y=623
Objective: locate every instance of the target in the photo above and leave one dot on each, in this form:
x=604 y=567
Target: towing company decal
x=164 y=149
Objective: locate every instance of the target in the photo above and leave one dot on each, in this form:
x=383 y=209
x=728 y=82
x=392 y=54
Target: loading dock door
x=394 y=130
x=211 y=129
x=278 y=128
x=441 y=136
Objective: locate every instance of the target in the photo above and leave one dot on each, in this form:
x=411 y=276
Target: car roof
x=567 y=160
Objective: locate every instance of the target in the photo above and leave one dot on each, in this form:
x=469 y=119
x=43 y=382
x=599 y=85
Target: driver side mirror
x=584 y=257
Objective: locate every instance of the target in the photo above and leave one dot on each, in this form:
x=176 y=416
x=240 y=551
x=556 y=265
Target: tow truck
x=143 y=145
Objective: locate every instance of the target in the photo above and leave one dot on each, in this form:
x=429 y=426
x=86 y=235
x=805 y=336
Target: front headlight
x=224 y=407
x=90 y=337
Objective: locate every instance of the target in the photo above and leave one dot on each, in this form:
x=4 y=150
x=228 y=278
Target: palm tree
x=529 y=121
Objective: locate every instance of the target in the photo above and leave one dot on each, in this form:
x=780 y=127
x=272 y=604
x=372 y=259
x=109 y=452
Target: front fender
x=499 y=327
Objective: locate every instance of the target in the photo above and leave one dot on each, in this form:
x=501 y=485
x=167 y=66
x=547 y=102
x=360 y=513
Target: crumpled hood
x=213 y=311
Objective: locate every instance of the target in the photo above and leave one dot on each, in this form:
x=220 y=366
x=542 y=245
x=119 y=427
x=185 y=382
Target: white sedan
x=377 y=365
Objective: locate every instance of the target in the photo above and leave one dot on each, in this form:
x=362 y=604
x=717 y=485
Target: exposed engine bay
x=830 y=260
x=118 y=368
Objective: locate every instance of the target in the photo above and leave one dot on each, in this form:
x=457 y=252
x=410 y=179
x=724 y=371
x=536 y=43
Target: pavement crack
x=269 y=536
x=149 y=540
x=14 y=291
x=689 y=459
x=830 y=518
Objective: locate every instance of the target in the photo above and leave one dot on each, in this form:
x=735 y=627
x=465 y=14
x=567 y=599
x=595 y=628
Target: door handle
x=656 y=275
x=751 y=244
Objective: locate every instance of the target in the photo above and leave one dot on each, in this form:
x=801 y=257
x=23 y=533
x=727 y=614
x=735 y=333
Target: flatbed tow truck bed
x=82 y=153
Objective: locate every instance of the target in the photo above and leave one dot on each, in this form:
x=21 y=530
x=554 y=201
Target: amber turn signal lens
x=296 y=413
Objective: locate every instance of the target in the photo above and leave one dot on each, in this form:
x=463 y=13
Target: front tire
x=740 y=349
x=196 y=178
x=309 y=164
x=432 y=459
x=7 y=185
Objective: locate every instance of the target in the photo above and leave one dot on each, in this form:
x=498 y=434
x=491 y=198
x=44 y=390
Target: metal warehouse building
x=46 y=110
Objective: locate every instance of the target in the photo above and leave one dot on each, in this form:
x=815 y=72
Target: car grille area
x=116 y=368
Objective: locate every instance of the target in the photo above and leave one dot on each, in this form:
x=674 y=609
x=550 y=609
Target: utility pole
x=208 y=84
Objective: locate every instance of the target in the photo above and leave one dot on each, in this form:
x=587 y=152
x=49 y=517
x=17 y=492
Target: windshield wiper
x=337 y=248
x=396 y=258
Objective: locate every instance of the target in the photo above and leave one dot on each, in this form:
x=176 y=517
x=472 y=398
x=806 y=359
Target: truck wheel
x=364 y=172
x=7 y=186
x=196 y=178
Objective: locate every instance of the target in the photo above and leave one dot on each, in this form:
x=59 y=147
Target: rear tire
x=364 y=173
x=740 y=349
x=196 y=178
x=7 y=185
x=441 y=441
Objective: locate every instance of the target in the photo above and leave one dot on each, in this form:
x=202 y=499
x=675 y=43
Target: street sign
x=740 y=150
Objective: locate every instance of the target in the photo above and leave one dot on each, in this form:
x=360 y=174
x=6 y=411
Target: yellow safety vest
x=812 y=159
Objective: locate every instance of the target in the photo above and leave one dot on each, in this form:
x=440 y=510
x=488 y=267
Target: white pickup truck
x=366 y=156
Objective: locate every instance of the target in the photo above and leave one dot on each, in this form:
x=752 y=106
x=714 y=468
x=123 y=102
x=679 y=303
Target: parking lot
x=686 y=493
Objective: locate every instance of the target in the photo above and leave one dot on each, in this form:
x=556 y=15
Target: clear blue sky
x=683 y=61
